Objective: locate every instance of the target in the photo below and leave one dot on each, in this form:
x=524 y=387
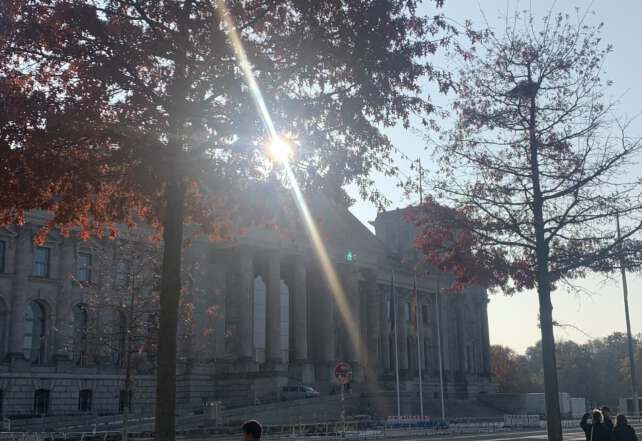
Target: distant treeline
x=597 y=370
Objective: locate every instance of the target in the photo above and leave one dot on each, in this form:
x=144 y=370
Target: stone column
x=326 y=317
x=384 y=327
x=445 y=341
x=300 y=311
x=461 y=334
x=273 y=310
x=485 y=340
x=19 y=294
x=373 y=303
x=352 y=342
x=402 y=330
x=245 y=325
x=219 y=288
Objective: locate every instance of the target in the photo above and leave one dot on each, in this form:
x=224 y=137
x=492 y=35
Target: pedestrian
x=606 y=414
x=594 y=429
x=622 y=430
x=252 y=430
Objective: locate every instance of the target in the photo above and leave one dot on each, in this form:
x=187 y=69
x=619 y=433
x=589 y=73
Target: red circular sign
x=343 y=373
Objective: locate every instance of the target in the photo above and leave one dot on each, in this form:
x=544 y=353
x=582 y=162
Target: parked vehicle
x=298 y=392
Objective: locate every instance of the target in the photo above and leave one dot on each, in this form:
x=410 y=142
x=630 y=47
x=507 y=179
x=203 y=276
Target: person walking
x=622 y=430
x=595 y=430
x=606 y=417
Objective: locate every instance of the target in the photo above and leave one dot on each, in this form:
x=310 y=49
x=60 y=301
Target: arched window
x=81 y=330
x=35 y=331
x=260 y=304
x=285 y=323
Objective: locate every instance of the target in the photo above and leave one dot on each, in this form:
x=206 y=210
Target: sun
x=280 y=149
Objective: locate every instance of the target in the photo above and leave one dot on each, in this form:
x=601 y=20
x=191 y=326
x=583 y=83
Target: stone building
x=263 y=316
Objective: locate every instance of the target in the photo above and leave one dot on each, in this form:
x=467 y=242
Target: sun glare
x=280 y=149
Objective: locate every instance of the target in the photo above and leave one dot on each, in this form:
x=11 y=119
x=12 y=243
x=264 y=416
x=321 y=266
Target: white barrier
x=521 y=421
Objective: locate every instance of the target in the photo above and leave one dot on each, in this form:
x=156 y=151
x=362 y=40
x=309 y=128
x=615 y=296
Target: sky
x=599 y=310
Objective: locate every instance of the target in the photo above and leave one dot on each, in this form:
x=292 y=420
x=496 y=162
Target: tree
x=130 y=111
x=534 y=172
x=116 y=321
x=124 y=299
x=510 y=370
x=597 y=370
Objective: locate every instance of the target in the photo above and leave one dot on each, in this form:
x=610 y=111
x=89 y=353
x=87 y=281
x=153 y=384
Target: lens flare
x=329 y=272
x=280 y=150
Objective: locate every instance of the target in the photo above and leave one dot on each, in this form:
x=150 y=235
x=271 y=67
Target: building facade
x=263 y=312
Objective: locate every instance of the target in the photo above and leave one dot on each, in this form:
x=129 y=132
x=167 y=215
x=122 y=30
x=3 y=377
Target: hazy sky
x=513 y=320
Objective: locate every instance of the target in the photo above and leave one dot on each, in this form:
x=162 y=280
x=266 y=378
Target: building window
x=151 y=339
x=35 y=331
x=41 y=262
x=410 y=351
x=156 y=280
x=3 y=249
x=84 y=400
x=124 y=400
x=84 y=267
x=122 y=274
x=426 y=354
x=120 y=339
x=469 y=365
x=41 y=402
x=81 y=331
x=424 y=314
x=392 y=357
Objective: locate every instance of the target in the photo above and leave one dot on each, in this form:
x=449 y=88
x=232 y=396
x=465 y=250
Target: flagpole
x=439 y=350
x=396 y=319
x=418 y=327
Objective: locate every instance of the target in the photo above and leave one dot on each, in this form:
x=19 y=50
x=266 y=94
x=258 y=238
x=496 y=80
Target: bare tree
x=534 y=172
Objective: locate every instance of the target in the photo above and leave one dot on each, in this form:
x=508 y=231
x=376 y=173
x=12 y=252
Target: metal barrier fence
x=329 y=431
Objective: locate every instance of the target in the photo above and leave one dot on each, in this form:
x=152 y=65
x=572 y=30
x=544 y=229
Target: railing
x=327 y=431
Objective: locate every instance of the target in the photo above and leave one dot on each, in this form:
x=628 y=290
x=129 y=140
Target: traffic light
x=349 y=256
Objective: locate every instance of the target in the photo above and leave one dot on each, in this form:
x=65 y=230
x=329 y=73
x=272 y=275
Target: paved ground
x=570 y=435
x=537 y=435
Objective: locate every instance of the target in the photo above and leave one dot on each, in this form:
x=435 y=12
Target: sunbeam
x=280 y=151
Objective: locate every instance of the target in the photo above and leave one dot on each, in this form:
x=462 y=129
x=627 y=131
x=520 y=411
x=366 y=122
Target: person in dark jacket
x=595 y=430
x=622 y=431
x=606 y=417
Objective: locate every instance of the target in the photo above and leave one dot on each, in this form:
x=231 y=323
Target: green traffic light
x=349 y=256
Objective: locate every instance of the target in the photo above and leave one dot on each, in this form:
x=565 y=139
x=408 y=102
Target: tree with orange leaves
x=130 y=111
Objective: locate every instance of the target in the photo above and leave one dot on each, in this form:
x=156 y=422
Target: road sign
x=343 y=373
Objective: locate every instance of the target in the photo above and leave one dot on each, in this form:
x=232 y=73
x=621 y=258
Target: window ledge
x=43 y=279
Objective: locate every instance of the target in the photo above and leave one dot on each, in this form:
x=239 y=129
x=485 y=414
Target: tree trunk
x=165 y=424
x=551 y=387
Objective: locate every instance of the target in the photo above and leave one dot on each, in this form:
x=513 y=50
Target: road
x=522 y=435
